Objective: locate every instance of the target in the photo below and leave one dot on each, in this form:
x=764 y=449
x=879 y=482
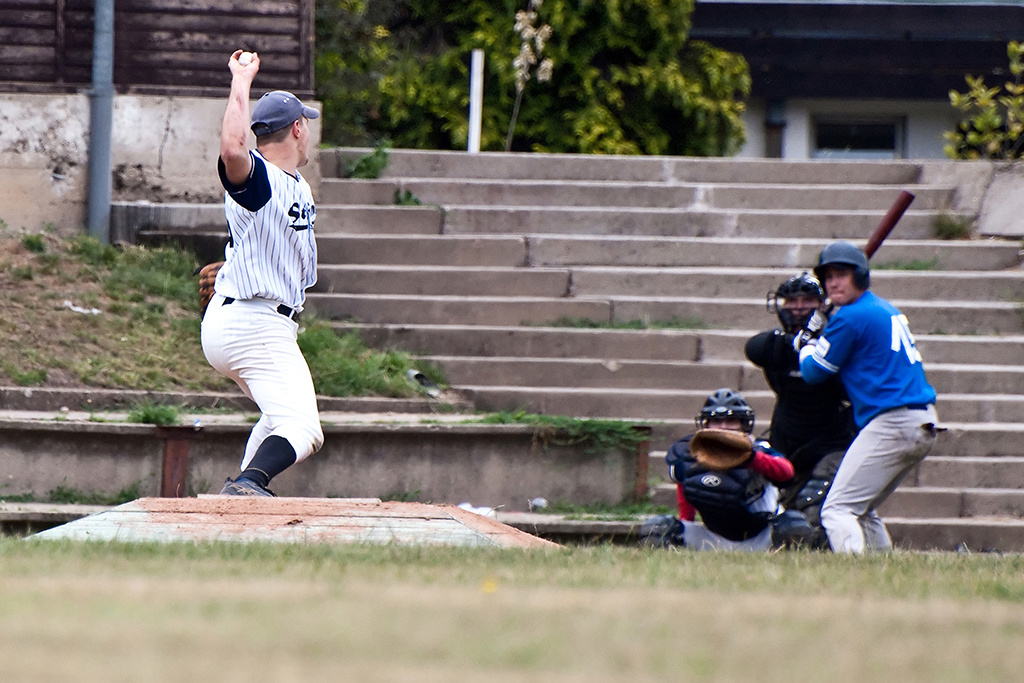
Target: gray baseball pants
x=888 y=447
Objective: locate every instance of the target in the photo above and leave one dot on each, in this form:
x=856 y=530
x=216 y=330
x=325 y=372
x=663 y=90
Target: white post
x=476 y=99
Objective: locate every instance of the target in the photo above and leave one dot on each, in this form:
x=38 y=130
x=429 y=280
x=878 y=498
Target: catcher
x=727 y=476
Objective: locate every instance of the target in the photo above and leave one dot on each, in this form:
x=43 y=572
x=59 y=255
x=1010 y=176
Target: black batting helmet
x=845 y=254
x=803 y=284
x=723 y=404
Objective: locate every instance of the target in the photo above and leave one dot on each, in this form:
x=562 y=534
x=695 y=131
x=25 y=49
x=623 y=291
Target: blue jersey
x=869 y=344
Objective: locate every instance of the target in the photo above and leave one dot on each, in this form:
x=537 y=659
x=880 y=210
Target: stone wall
x=164 y=150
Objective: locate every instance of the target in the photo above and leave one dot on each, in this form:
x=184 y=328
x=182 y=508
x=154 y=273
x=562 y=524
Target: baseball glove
x=721 y=449
x=207 y=276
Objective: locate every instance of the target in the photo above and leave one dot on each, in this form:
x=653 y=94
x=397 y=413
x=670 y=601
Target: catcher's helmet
x=726 y=403
x=803 y=284
x=845 y=254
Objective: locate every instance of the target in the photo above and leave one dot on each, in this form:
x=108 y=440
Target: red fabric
x=687 y=512
x=774 y=469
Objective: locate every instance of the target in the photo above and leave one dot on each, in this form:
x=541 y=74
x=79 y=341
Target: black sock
x=273 y=457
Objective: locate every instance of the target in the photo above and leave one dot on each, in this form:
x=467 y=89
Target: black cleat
x=245 y=487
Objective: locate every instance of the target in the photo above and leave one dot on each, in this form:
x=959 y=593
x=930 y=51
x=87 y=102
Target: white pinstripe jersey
x=272 y=249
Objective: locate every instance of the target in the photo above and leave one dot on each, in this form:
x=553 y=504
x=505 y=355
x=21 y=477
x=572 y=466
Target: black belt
x=909 y=406
x=286 y=311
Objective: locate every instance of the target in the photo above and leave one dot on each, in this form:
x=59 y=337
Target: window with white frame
x=842 y=138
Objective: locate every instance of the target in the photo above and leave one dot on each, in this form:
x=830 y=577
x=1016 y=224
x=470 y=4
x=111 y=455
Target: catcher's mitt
x=207 y=276
x=721 y=449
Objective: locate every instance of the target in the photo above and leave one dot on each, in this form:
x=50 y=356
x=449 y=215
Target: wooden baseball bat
x=888 y=222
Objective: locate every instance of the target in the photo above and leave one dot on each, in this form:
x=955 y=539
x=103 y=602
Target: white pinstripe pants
x=254 y=345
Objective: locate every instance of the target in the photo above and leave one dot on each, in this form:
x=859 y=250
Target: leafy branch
x=993 y=123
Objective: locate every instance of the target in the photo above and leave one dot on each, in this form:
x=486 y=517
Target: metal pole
x=101 y=120
x=476 y=99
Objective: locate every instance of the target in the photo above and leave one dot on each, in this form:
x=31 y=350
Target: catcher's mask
x=805 y=285
x=723 y=404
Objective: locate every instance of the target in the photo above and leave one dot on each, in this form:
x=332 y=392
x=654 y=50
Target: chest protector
x=723 y=499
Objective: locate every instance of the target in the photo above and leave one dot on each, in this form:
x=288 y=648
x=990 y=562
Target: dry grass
x=144 y=333
x=227 y=612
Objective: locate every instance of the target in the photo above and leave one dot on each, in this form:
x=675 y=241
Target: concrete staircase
x=504 y=250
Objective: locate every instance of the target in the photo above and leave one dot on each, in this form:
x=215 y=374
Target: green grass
x=372 y=164
x=596 y=434
x=67 y=495
x=147 y=332
x=156 y=414
x=406 y=198
x=920 y=264
x=949 y=227
x=126 y=612
x=342 y=365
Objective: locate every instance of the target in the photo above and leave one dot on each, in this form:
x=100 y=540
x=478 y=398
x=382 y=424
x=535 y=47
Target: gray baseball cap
x=278 y=109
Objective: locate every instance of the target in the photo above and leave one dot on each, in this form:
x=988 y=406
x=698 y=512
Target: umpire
x=868 y=343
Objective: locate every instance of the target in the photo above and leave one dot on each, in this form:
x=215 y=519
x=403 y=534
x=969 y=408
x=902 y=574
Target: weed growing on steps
x=949 y=227
x=406 y=198
x=921 y=264
x=598 y=435
x=342 y=365
x=155 y=414
x=66 y=495
x=371 y=165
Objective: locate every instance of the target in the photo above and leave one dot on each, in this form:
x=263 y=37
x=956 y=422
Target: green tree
x=992 y=122
x=625 y=77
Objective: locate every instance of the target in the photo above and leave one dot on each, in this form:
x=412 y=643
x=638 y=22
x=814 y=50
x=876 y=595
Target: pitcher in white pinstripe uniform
x=249 y=330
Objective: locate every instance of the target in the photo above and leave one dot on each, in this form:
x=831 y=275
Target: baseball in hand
x=245 y=58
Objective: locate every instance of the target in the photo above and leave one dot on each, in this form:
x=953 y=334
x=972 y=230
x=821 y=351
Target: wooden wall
x=160 y=46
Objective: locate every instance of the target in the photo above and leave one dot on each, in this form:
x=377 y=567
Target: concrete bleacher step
x=927 y=317
x=502 y=192
x=589 y=372
x=950 y=381
x=736 y=282
x=443 y=280
x=475 y=310
x=423 y=250
x=917 y=502
x=794 y=253
x=660 y=403
x=983 y=534
x=369 y=219
x=970 y=471
x=616 y=281
x=963 y=448
x=696 y=222
x=644 y=344
x=409 y=163
x=673 y=251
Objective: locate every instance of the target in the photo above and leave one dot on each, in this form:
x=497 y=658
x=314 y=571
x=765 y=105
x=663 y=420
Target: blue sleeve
x=254 y=194
x=811 y=371
x=832 y=348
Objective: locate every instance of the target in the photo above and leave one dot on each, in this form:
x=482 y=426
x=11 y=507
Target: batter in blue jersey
x=868 y=344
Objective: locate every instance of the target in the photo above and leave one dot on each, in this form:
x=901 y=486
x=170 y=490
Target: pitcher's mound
x=292 y=520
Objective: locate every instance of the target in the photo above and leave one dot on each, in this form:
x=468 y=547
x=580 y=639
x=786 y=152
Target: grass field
x=228 y=612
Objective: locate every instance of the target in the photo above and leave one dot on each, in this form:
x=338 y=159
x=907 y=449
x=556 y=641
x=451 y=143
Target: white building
x=863 y=79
